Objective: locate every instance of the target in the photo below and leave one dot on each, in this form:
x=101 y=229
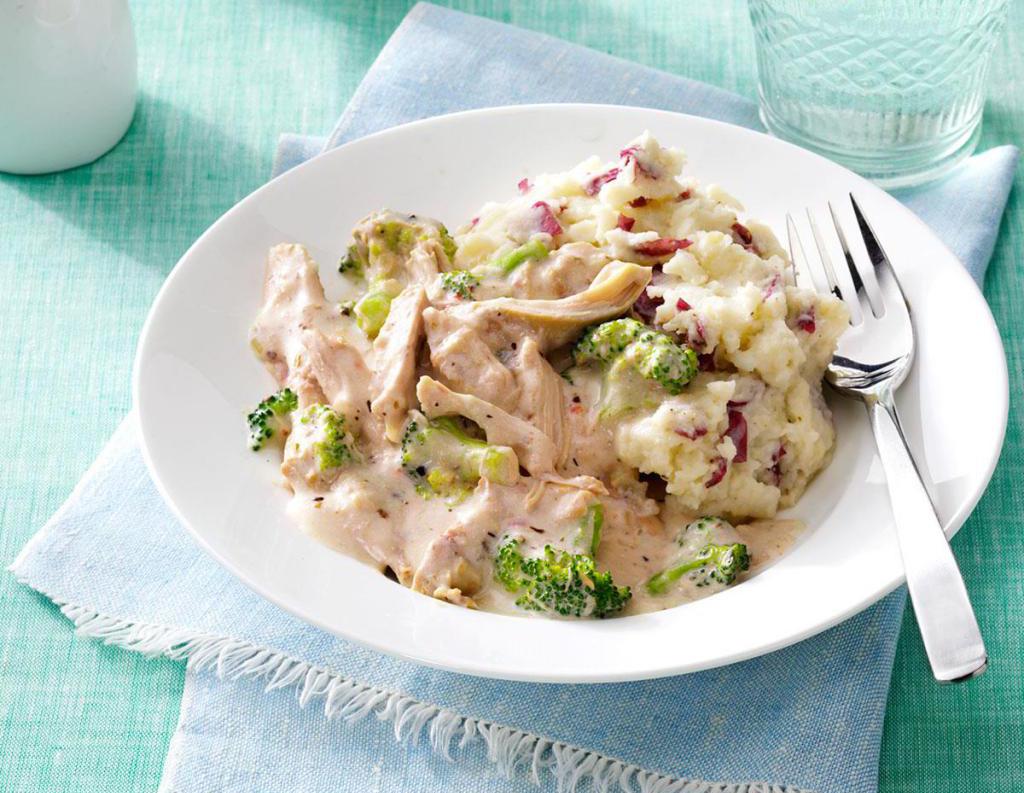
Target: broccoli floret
x=669 y=364
x=534 y=249
x=628 y=345
x=605 y=342
x=508 y=563
x=442 y=459
x=270 y=416
x=460 y=283
x=352 y=263
x=558 y=582
x=707 y=554
x=712 y=564
x=371 y=311
x=383 y=243
x=448 y=244
x=397 y=236
x=332 y=446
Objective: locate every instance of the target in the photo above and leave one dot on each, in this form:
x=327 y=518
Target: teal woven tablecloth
x=83 y=253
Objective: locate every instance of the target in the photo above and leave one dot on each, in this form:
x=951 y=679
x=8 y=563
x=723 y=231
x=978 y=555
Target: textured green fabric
x=83 y=253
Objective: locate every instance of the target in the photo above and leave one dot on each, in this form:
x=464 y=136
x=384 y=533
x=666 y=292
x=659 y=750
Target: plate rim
x=951 y=526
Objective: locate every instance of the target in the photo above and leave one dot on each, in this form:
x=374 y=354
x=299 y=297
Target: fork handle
x=948 y=626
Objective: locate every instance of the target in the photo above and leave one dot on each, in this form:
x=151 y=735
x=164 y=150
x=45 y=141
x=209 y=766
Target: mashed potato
x=751 y=430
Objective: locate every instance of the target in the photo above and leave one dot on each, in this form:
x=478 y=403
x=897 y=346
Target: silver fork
x=872 y=360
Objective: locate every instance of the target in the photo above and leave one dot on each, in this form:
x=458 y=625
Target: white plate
x=195 y=377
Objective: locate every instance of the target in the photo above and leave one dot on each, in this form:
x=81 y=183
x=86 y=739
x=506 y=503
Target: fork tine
x=874 y=247
x=888 y=282
x=798 y=259
x=826 y=260
x=858 y=282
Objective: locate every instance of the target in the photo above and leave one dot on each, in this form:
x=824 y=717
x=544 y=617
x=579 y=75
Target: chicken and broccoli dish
x=590 y=400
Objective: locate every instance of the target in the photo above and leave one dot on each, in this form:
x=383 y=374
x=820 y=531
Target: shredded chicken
x=465 y=363
x=292 y=294
x=541 y=397
x=568 y=270
x=557 y=322
x=355 y=503
x=450 y=568
x=535 y=450
x=333 y=368
x=571 y=269
x=300 y=342
x=394 y=372
x=424 y=262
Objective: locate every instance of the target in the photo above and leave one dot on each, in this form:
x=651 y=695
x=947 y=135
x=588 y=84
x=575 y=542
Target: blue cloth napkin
x=278 y=711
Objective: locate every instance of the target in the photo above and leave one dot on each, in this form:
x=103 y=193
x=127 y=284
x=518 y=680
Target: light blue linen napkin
x=121 y=567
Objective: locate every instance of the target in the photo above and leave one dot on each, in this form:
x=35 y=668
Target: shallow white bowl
x=195 y=377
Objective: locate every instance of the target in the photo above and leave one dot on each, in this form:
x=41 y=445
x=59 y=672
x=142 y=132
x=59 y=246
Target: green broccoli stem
x=448 y=244
x=481 y=458
x=444 y=460
x=397 y=235
x=452 y=427
x=534 y=249
x=590 y=527
x=722 y=562
x=659 y=584
x=372 y=311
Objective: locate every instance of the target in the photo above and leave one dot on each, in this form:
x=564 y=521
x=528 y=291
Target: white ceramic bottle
x=68 y=82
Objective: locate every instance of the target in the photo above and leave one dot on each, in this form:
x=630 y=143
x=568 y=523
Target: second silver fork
x=872 y=360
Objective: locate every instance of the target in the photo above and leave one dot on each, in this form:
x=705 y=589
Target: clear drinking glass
x=893 y=89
